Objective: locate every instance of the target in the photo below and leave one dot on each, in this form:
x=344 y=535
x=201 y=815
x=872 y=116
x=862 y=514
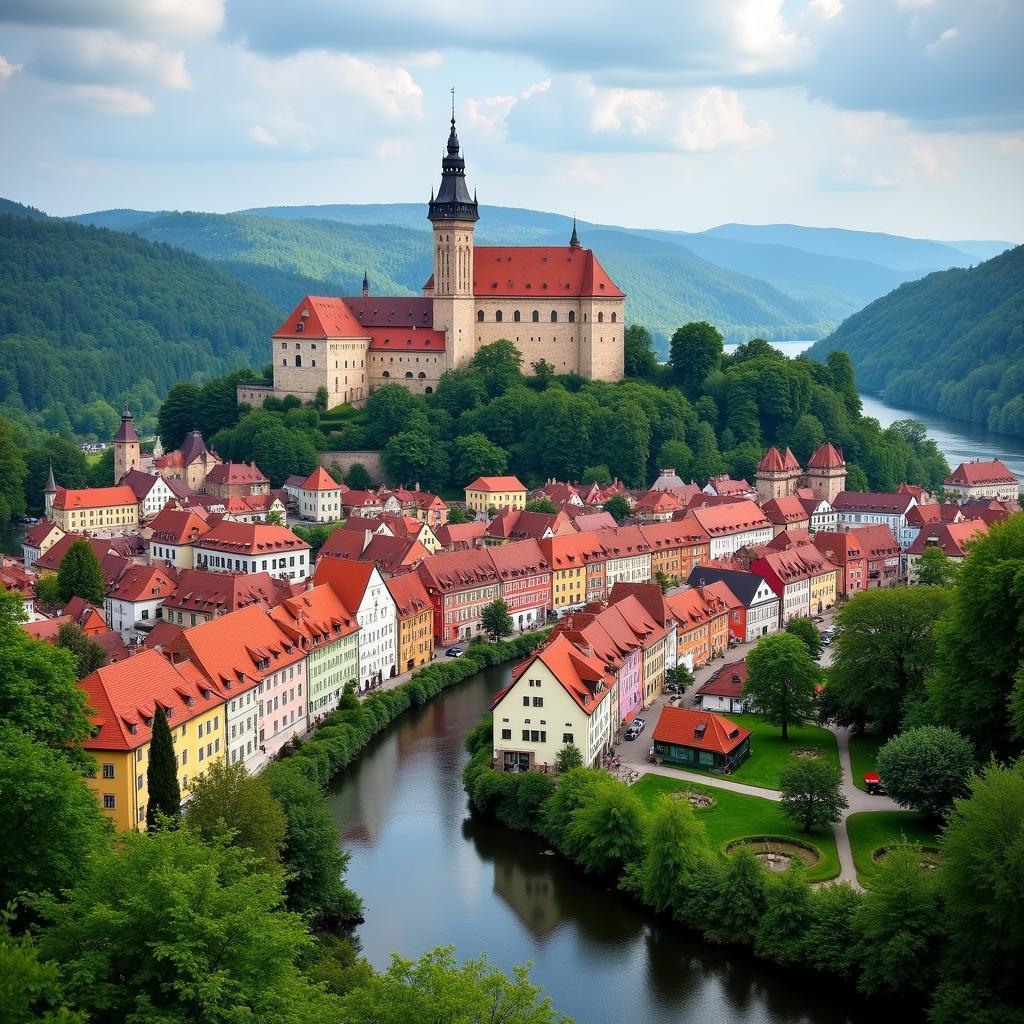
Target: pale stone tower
x=49 y=493
x=826 y=473
x=127 y=451
x=454 y=214
x=778 y=475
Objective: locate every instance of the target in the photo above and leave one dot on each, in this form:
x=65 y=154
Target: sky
x=904 y=116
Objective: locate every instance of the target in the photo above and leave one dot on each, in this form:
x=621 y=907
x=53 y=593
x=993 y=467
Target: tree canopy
x=781 y=680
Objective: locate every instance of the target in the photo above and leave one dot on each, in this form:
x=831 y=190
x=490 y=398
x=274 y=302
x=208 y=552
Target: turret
x=366 y=286
x=49 y=492
x=127 y=450
x=574 y=241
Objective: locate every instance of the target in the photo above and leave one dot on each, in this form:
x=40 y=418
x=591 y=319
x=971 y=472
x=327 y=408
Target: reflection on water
x=431 y=874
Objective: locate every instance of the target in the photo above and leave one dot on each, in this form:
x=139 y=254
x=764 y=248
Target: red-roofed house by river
x=983 y=480
x=700 y=739
x=555 y=303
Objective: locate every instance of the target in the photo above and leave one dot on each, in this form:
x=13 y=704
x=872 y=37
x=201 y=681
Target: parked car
x=454 y=652
x=827 y=637
x=873 y=784
x=817 y=618
x=733 y=642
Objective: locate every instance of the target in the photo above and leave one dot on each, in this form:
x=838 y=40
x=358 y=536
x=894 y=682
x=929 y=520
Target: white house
x=319 y=497
x=135 y=600
x=560 y=696
x=172 y=534
x=723 y=692
x=863 y=508
x=253 y=547
x=152 y=491
x=628 y=555
x=731 y=526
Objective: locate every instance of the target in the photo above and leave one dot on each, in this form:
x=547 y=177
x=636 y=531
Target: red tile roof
x=771 y=461
x=215 y=593
x=534 y=273
x=250 y=539
x=409 y=594
x=826 y=457
x=682 y=727
x=728 y=518
x=521 y=558
x=94 y=497
x=35 y=535
x=728 y=681
x=726 y=486
x=348 y=577
x=162 y=634
x=582 y=676
x=496 y=483
x=623 y=542
x=786 y=510
x=143 y=583
x=318 y=317
x=175 y=526
x=658 y=502
x=405 y=339
x=320 y=480
x=840 y=548
x=315 y=617
x=124 y=698
x=389 y=554
x=867 y=501
x=949 y=537
x=975 y=474
x=237 y=473
x=696 y=606
x=458 y=570
x=455 y=536
x=876 y=541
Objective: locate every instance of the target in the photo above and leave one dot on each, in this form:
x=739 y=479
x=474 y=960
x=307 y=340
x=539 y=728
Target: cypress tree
x=162 y=774
x=79 y=574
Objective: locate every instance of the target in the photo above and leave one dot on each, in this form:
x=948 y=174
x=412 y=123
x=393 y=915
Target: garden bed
x=777 y=853
x=871 y=832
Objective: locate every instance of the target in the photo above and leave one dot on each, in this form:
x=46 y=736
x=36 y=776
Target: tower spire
x=51 y=484
x=574 y=241
x=366 y=284
x=452 y=201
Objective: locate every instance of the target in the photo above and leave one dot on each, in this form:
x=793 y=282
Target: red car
x=874 y=784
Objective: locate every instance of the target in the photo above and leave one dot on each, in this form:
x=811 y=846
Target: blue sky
x=895 y=115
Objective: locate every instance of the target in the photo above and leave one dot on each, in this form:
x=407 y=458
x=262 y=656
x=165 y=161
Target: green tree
x=216 y=406
x=30 y=988
x=804 y=628
x=934 y=568
x=476 y=456
x=696 y=351
x=437 y=988
x=69 y=469
x=496 y=621
x=52 y=821
x=926 y=768
x=617 y=506
x=545 y=505
x=782 y=931
x=982 y=882
x=740 y=900
x=575 y=788
x=606 y=832
x=500 y=365
x=162 y=774
x=543 y=371
x=321 y=399
x=812 y=793
x=79 y=574
x=707 y=459
x=313 y=858
x=216 y=942
x=47 y=588
x=679 y=676
x=459 y=391
x=275 y=518
x=806 y=437
x=830 y=938
x=389 y=411
x=884 y=650
x=781 y=680
x=899 y=926
x=569 y=757
x=39 y=694
x=600 y=475
x=638 y=352
x=678 y=455
x=413 y=455
x=457 y=515
x=101 y=472
x=358 y=477
x=178 y=415
x=227 y=801
x=13 y=474
x=88 y=654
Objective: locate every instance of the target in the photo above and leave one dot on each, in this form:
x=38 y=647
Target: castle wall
x=301 y=368
x=371 y=460
x=417 y=371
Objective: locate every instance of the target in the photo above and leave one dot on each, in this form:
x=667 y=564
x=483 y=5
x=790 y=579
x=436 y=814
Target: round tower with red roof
x=826 y=473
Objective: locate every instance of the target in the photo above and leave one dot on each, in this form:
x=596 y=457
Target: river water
x=430 y=874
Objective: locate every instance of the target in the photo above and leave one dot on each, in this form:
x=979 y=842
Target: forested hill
x=952 y=342
x=89 y=317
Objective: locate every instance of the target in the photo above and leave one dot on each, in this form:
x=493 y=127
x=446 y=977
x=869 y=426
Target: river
x=431 y=875
x=958 y=440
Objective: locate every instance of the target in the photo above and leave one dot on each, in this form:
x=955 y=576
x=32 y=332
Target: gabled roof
x=949 y=537
x=124 y=697
x=642 y=604
x=975 y=474
x=658 y=502
x=876 y=541
x=535 y=273
x=771 y=461
x=250 y=539
x=141 y=483
x=518 y=524
x=348 y=577
x=94 y=497
x=521 y=558
x=496 y=484
x=176 y=526
x=801 y=562
x=317 y=317
x=727 y=486
x=113 y=643
x=456 y=536
x=35 y=535
x=216 y=593
x=840 y=548
x=580 y=674
x=728 y=518
x=785 y=510
x=744 y=585
x=868 y=501
x=573 y=550
x=728 y=681
x=315 y=617
x=826 y=457
x=236 y=473
x=623 y=542
x=700 y=730
x=458 y=570
x=409 y=594
x=143 y=583
x=590 y=522
x=389 y=554
x=694 y=607
x=678 y=533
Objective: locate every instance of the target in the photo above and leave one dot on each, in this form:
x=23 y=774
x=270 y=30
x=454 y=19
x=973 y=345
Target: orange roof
x=518 y=559
x=496 y=483
x=681 y=533
x=213 y=593
x=319 y=317
x=659 y=501
x=348 y=577
x=239 y=473
x=826 y=457
x=573 y=550
x=622 y=542
x=405 y=339
x=696 y=606
x=534 y=273
x=971 y=474
x=229 y=649
x=876 y=541
x=319 y=480
x=316 y=616
x=731 y=517
x=838 y=547
x=176 y=526
x=771 y=461
x=785 y=510
x=124 y=696
x=94 y=497
x=409 y=594
x=143 y=583
x=949 y=537
x=250 y=539
x=582 y=676
x=701 y=730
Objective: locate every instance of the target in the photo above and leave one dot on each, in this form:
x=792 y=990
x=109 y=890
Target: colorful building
x=525 y=580
x=108 y=510
x=844 y=551
x=627 y=555
x=950 y=538
x=415 y=616
x=676 y=547
x=497 y=492
x=577 y=564
x=731 y=526
x=756 y=613
x=700 y=739
x=172 y=535
x=460 y=584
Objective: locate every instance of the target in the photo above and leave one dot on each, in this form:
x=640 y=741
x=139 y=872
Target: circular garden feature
x=930 y=860
x=777 y=853
x=698 y=801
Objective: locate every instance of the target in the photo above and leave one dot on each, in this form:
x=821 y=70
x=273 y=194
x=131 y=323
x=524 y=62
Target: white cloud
x=108 y=99
x=717 y=119
x=262 y=136
x=171 y=19
x=490 y=113
x=107 y=58
x=947 y=36
x=585 y=171
x=826 y=9
x=627 y=111
x=7 y=70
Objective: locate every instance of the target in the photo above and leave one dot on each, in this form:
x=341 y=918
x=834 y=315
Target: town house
x=415 y=616
x=460 y=584
x=731 y=526
x=756 y=612
x=253 y=547
x=627 y=555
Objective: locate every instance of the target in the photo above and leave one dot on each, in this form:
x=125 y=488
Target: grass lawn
x=736 y=816
x=769 y=755
x=863 y=750
x=870 y=830
x=91 y=458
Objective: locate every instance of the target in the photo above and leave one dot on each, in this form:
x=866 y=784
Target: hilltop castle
x=552 y=302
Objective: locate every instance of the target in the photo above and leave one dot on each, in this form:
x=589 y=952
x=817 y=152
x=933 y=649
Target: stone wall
x=371 y=460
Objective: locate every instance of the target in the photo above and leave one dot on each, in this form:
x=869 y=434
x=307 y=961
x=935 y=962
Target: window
x=506 y=734
x=479 y=316
x=298 y=360
x=515 y=316
x=567 y=737
x=572 y=316
x=526 y=735
x=109 y=803
x=497 y=316
x=554 y=316
x=538 y=702
x=536 y=317
x=138 y=781
x=600 y=318
x=408 y=375
x=526 y=701
x=615 y=317
x=108 y=770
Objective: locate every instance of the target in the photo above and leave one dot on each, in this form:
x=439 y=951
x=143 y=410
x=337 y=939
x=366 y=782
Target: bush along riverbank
x=893 y=942
x=313 y=850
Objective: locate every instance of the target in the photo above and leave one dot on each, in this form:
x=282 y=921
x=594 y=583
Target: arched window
x=536 y=317
x=497 y=317
x=572 y=316
x=428 y=391
x=408 y=375
x=421 y=375
x=515 y=316
x=600 y=318
x=386 y=374
x=314 y=362
x=615 y=317
x=554 y=316
x=479 y=316
x=298 y=360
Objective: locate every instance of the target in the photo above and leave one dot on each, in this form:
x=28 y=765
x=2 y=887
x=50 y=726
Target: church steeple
x=453 y=201
x=574 y=241
x=366 y=285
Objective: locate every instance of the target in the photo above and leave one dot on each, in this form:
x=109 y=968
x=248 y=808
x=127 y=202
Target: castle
x=552 y=302
x=780 y=476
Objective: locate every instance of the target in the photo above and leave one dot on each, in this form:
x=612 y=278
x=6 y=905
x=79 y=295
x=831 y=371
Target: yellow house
x=415 y=620
x=571 y=557
x=123 y=699
x=823 y=590
x=495 y=492
x=93 y=508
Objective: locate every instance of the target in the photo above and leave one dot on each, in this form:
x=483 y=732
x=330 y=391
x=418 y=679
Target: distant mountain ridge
x=952 y=342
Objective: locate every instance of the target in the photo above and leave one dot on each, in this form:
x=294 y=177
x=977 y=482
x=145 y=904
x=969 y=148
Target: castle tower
x=826 y=473
x=454 y=214
x=127 y=451
x=49 y=492
x=777 y=475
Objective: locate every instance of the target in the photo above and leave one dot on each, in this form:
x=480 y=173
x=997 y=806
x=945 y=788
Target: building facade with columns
x=555 y=303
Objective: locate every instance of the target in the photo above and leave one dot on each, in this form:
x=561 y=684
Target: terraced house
x=253 y=547
x=627 y=555
x=415 y=620
x=676 y=547
x=577 y=564
x=460 y=584
x=731 y=526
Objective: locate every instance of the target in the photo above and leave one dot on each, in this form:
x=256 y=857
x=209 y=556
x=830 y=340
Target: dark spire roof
x=126 y=432
x=574 y=242
x=366 y=280
x=453 y=201
x=51 y=484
